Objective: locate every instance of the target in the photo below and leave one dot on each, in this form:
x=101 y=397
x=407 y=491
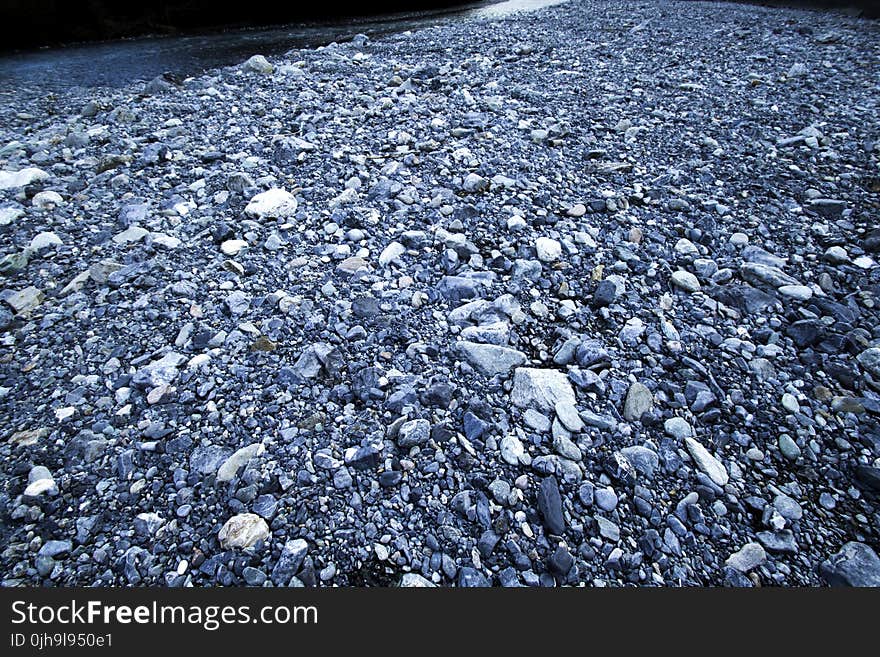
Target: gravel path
x=582 y=296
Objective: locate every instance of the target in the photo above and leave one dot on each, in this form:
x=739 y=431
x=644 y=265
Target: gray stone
x=568 y=416
x=781 y=541
x=678 y=428
x=685 y=281
x=490 y=360
x=55 y=548
x=759 y=274
x=566 y=448
x=497 y=333
x=605 y=498
x=258 y=64
x=788 y=447
x=238 y=460
x=415 y=581
x=550 y=506
x=749 y=556
x=788 y=508
x=856 y=564
x=237 y=303
x=608 y=529
x=639 y=401
x=292 y=556
x=207 y=459
x=644 y=460
x=869 y=359
x=536 y=420
x=706 y=462
x=540 y=389
x=414 y=432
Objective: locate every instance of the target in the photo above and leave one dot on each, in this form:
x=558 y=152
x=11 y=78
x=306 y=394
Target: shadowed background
x=36 y=23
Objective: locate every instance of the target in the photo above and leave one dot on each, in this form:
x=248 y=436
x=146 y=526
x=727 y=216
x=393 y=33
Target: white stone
x=512 y=450
x=239 y=459
x=391 y=253
x=10 y=214
x=797 y=70
x=40 y=486
x=706 y=462
x=490 y=359
x=44 y=240
x=25 y=300
x=243 y=531
x=475 y=183
x=870 y=360
x=40 y=481
x=577 y=210
x=686 y=281
x=758 y=273
x=749 y=556
x=686 y=247
x=14 y=179
x=62 y=414
x=541 y=389
x=790 y=403
x=836 y=255
x=258 y=64
x=166 y=241
x=46 y=200
x=548 y=250
x=232 y=247
x=799 y=292
x=276 y=203
x=416 y=581
x=131 y=234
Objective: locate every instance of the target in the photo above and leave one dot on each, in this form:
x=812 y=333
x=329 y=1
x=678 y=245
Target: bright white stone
x=276 y=203
x=391 y=253
x=243 y=531
x=706 y=462
x=232 y=247
x=44 y=240
x=686 y=281
x=131 y=234
x=548 y=250
x=13 y=179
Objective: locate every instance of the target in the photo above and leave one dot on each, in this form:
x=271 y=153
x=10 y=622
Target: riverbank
x=478 y=304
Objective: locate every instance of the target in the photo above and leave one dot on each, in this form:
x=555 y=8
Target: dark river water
x=117 y=63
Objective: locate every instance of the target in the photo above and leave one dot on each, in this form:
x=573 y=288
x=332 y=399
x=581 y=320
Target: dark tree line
x=35 y=23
